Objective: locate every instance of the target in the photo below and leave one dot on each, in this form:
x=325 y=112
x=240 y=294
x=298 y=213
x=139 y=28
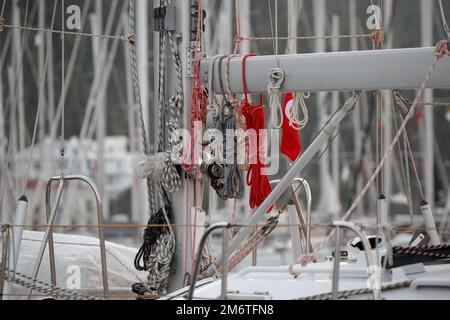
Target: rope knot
x=442 y=48
x=131 y=38
x=275 y=79
x=2 y=23
x=238 y=39
x=377 y=37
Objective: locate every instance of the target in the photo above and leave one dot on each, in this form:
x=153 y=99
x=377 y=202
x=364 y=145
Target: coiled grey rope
x=234 y=177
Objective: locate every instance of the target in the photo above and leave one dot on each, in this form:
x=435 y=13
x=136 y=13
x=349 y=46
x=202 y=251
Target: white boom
x=401 y=69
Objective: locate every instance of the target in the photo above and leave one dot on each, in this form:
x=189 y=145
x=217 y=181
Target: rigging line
x=269 y=5
x=238 y=27
x=138 y=101
x=398 y=229
x=38 y=111
x=127 y=38
x=444 y=19
x=14 y=108
x=416 y=171
x=404 y=167
x=328 y=37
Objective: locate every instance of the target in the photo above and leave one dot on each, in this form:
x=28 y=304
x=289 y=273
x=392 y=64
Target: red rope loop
x=254 y=115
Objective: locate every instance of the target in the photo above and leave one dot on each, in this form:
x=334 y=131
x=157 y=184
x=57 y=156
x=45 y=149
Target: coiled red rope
x=255 y=119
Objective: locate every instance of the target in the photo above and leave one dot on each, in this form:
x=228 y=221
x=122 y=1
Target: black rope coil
x=151 y=235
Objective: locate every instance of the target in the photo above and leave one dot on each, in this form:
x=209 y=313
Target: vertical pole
x=336 y=264
x=356 y=116
x=245 y=22
x=20 y=90
x=335 y=166
x=387 y=113
x=41 y=54
x=101 y=111
x=293 y=10
x=224 y=265
x=14 y=247
x=4 y=262
x=324 y=207
x=426 y=10
x=207 y=5
x=181 y=197
x=3 y=146
x=226 y=35
x=16 y=117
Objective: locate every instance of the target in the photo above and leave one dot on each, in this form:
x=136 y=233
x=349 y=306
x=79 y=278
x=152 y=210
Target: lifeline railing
x=48 y=235
x=221 y=225
x=337 y=256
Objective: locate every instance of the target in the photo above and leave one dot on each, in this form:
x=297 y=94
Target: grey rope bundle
x=234 y=176
x=161 y=254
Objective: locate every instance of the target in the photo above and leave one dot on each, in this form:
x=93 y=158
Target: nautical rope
x=349 y=293
x=441 y=50
x=234 y=187
x=128 y=38
x=138 y=102
x=275 y=79
x=426 y=251
x=351 y=36
x=45 y=288
x=255 y=119
x=253 y=242
x=298 y=103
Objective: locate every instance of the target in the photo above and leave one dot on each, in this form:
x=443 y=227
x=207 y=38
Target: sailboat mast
x=185 y=194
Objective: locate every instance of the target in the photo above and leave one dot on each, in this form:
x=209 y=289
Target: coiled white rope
x=292 y=113
x=275 y=79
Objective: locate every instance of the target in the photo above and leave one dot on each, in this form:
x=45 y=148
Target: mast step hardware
x=164 y=18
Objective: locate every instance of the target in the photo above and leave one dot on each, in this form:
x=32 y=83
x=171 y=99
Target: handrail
x=220 y=225
x=337 y=256
x=48 y=236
